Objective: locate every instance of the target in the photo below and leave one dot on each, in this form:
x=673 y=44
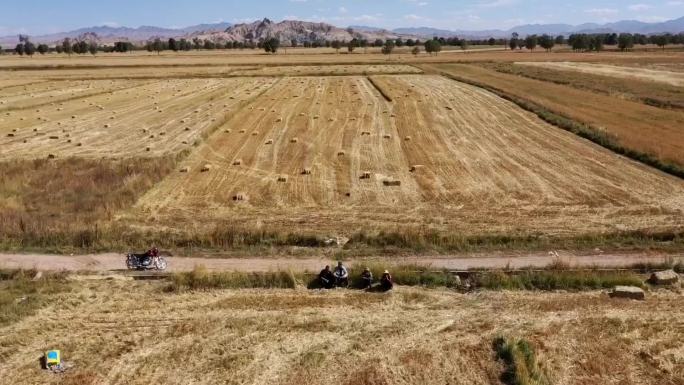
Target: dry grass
x=651 y=93
x=124 y=332
x=61 y=202
x=633 y=125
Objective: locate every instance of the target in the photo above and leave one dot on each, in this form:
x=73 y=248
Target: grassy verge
x=200 y=279
x=583 y=130
x=520 y=362
x=22 y=294
x=555 y=280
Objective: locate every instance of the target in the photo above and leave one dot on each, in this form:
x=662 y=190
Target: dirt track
x=114 y=261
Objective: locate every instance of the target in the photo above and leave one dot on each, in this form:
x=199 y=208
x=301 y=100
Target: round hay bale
x=11 y=135
x=270 y=141
x=187 y=128
x=240 y=197
x=205 y=168
x=387 y=136
x=185 y=169
x=106 y=126
x=148 y=149
x=51 y=156
x=306 y=171
x=227 y=131
x=79 y=144
x=340 y=153
x=365 y=175
x=243 y=131
x=407 y=138
x=294 y=140
x=237 y=162
x=255 y=133
x=282 y=178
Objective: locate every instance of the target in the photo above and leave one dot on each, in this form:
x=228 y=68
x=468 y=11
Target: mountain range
x=302 y=31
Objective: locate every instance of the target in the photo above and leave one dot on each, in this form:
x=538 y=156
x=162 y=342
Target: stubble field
x=126 y=332
x=267 y=143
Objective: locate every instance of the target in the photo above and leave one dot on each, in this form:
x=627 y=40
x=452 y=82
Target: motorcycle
x=145 y=262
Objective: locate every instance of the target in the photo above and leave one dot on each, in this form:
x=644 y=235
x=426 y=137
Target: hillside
x=301 y=31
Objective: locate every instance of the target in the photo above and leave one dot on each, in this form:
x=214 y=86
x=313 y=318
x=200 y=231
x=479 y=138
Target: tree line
x=578 y=43
x=593 y=42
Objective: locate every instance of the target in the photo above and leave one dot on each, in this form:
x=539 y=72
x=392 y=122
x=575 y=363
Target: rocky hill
x=301 y=31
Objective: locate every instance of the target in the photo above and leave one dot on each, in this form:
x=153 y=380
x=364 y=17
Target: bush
x=521 y=366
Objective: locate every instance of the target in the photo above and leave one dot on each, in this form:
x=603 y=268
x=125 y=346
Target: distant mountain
x=301 y=31
x=108 y=34
x=308 y=31
x=628 y=26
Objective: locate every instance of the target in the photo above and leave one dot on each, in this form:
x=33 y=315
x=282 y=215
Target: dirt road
x=113 y=261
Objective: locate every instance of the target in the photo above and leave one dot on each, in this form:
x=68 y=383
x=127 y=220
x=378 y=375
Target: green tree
x=415 y=51
x=531 y=42
x=661 y=40
x=42 y=49
x=513 y=42
x=491 y=41
x=336 y=45
x=546 y=42
x=294 y=43
x=173 y=45
x=92 y=48
x=399 y=42
x=388 y=48
x=464 y=44
x=625 y=41
x=67 y=47
x=271 y=45
x=560 y=40
x=352 y=45
x=157 y=46
x=19 y=49
x=377 y=43
x=433 y=46
x=29 y=48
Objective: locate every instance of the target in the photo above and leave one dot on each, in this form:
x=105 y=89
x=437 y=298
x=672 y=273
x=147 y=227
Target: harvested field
x=658 y=76
x=124 y=332
x=323 y=70
x=164 y=116
x=488 y=166
x=645 y=91
x=635 y=126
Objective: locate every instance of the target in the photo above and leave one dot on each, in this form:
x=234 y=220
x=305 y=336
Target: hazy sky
x=47 y=16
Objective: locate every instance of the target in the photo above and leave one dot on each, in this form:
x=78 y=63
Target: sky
x=36 y=17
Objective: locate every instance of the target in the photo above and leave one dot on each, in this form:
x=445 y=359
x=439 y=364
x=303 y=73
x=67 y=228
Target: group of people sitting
x=340 y=278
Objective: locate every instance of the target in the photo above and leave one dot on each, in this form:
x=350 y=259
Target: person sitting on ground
x=386 y=281
x=327 y=278
x=366 y=279
x=341 y=275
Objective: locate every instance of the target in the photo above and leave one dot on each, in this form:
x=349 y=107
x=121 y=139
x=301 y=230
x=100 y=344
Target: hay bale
x=391 y=183
x=365 y=175
x=68 y=140
x=243 y=131
x=54 y=137
x=240 y=197
x=407 y=138
x=279 y=120
x=630 y=292
x=205 y=168
x=270 y=141
x=106 y=126
x=387 y=136
x=187 y=128
x=185 y=169
x=51 y=156
x=294 y=140
x=185 y=142
x=340 y=153
x=415 y=167
x=79 y=144
x=666 y=277
x=365 y=133
x=448 y=108
x=11 y=135
x=282 y=178
x=237 y=162
x=255 y=133
x=162 y=133
x=148 y=149
x=306 y=171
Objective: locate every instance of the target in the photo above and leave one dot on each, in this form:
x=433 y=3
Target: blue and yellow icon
x=52 y=358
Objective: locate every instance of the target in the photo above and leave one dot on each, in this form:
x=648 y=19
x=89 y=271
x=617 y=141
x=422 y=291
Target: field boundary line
x=580 y=129
x=380 y=89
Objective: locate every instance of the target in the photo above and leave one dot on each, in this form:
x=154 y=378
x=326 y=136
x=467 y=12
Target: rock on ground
x=631 y=292
x=666 y=277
